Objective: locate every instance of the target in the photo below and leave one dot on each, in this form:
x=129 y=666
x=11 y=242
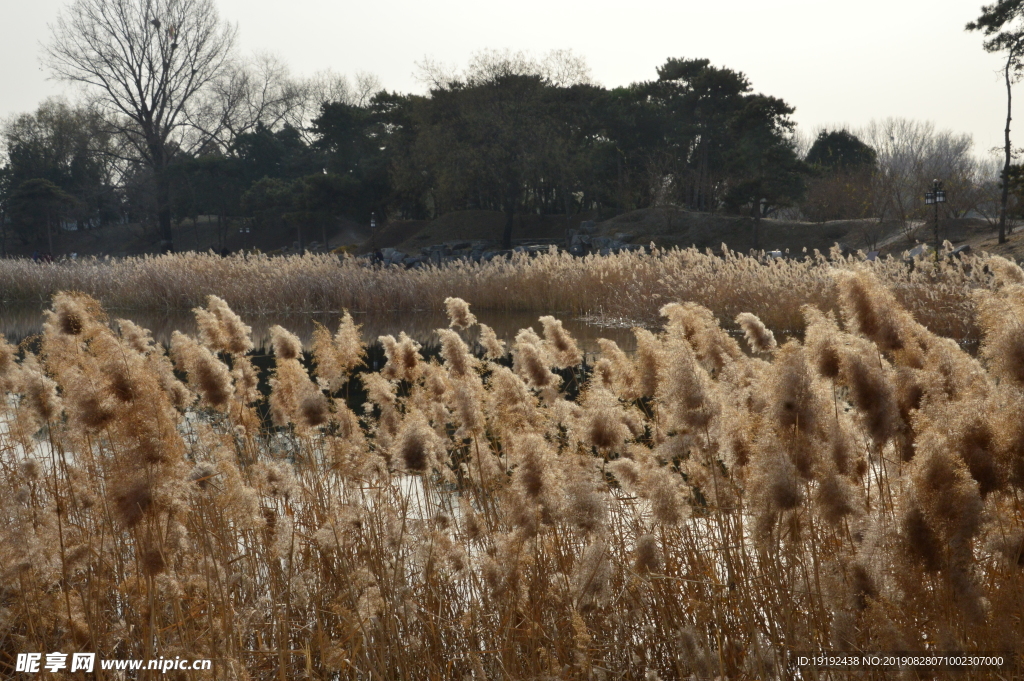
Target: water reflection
x=19 y=322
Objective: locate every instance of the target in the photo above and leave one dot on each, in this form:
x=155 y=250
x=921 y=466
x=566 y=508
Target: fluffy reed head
x=493 y=347
x=73 y=313
x=417 y=445
x=684 y=388
x=759 y=337
x=336 y=357
x=944 y=488
x=648 y=554
x=873 y=392
x=1005 y=272
x=206 y=374
x=871 y=310
x=616 y=371
x=459 y=315
x=132 y=499
x=41 y=395
x=286 y=344
x=1001 y=317
x=456 y=354
x=349 y=343
x=404 y=361
x=137 y=338
x=647 y=361
x=794 y=404
x=8 y=365
x=561 y=346
x=531 y=361
x=820 y=339
x=697 y=325
x=220 y=329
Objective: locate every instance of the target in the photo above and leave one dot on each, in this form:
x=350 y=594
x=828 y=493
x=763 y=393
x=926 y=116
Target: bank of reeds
x=630 y=285
x=692 y=511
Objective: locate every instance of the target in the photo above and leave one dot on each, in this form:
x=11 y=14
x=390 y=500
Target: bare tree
x=563 y=68
x=910 y=154
x=901 y=147
x=147 y=60
x=435 y=75
x=989 y=190
x=950 y=158
x=258 y=91
x=366 y=86
x=803 y=139
x=327 y=86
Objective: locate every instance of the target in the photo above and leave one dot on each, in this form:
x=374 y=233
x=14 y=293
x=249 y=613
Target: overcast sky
x=836 y=62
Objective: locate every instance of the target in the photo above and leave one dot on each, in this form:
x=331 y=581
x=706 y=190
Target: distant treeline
x=509 y=134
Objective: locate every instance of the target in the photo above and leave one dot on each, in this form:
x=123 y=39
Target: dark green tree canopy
x=37 y=208
x=766 y=172
x=273 y=153
x=508 y=135
x=995 y=23
x=840 y=150
x=67 y=146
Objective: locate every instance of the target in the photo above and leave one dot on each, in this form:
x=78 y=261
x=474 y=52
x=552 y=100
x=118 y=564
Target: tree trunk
x=163 y=210
x=1008 y=152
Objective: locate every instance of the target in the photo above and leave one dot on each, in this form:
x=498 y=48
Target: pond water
x=20 y=322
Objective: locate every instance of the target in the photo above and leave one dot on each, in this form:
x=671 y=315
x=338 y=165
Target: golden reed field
x=627 y=285
x=693 y=510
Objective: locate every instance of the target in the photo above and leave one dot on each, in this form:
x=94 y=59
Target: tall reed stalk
x=633 y=286
x=692 y=511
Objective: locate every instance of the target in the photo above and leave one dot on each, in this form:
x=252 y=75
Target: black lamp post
x=935 y=197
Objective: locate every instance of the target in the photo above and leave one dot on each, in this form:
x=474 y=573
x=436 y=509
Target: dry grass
x=629 y=285
x=691 y=512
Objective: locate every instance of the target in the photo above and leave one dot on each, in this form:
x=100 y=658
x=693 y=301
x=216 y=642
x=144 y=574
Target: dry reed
x=688 y=512
x=632 y=286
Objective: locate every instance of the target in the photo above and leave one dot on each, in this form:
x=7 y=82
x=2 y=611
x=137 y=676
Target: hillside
x=668 y=226
x=665 y=226
x=409 y=236
x=986 y=239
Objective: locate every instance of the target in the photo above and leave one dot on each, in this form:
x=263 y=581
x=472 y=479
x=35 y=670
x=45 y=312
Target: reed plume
x=685 y=512
x=759 y=337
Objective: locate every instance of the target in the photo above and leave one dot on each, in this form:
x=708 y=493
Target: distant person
x=35 y=256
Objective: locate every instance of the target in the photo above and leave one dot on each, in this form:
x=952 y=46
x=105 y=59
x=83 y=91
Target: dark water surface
x=20 y=322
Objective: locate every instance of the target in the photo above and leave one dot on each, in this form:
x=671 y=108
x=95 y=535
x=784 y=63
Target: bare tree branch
x=147 y=61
